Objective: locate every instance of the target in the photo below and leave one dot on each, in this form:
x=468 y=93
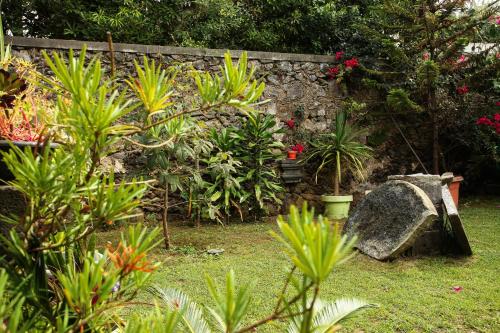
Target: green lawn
x=414 y=294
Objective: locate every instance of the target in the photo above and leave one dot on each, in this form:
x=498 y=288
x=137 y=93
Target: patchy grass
x=414 y=294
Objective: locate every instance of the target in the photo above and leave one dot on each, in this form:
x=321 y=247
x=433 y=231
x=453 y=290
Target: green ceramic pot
x=336 y=206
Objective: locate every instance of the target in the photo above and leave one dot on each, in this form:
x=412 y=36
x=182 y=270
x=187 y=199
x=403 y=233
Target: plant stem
x=336 y=183
x=166 y=234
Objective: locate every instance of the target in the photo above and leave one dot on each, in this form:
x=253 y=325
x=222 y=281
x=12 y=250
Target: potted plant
x=21 y=107
x=339 y=151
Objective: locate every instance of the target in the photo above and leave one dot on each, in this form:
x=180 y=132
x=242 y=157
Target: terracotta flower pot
x=292 y=155
x=455 y=188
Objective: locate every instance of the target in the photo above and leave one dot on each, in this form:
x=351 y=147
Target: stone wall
x=293 y=81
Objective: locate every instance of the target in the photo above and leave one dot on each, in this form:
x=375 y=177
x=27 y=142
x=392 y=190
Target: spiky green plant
x=340 y=150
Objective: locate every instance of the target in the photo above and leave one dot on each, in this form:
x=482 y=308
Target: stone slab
x=389 y=219
x=430 y=184
x=457 y=227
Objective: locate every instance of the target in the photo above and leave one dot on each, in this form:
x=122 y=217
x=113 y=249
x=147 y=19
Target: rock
x=430 y=184
x=294 y=91
x=215 y=252
x=390 y=218
x=285 y=66
x=271 y=108
x=273 y=79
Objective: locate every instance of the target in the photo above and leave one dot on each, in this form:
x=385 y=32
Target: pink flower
x=426 y=56
x=333 y=72
x=457 y=289
x=298 y=148
x=290 y=123
x=339 y=55
x=351 y=63
x=462 y=59
x=463 y=90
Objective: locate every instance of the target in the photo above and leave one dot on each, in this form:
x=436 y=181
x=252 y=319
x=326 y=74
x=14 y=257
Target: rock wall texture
x=293 y=81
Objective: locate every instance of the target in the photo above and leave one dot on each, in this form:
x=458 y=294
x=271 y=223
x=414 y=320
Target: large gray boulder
x=389 y=219
x=430 y=184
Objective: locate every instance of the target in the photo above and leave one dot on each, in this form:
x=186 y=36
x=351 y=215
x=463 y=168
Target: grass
x=414 y=294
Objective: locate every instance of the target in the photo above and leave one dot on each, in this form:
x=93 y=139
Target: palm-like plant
x=340 y=149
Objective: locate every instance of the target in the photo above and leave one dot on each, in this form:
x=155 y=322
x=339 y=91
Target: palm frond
x=332 y=313
x=192 y=316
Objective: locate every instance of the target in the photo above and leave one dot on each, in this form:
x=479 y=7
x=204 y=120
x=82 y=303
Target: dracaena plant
x=256 y=147
x=314 y=247
x=340 y=151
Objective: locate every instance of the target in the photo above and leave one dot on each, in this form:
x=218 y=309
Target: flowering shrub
x=494 y=122
x=339 y=70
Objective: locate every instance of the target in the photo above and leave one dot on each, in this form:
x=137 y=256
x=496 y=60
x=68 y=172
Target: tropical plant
x=178 y=148
x=54 y=272
x=258 y=150
x=313 y=245
x=224 y=173
x=21 y=104
x=340 y=150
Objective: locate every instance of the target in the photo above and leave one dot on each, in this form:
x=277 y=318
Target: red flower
x=497 y=103
x=484 y=121
x=351 y=63
x=298 y=148
x=457 y=289
x=463 y=90
x=339 y=55
x=290 y=123
x=496 y=116
x=333 y=72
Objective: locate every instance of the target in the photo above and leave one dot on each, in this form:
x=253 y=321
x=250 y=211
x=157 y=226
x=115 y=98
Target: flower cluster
x=298 y=148
x=351 y=63
x=462 y=90
x=494 y=122
x=340 y=69
x=128 y=259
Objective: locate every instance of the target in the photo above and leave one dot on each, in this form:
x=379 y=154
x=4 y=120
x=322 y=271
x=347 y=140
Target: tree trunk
x=435 y=131
x=166 y=234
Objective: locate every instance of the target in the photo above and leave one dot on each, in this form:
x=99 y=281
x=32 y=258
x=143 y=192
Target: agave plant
x=340 y=149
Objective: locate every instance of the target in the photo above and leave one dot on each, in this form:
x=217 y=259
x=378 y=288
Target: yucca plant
x=339 y=151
